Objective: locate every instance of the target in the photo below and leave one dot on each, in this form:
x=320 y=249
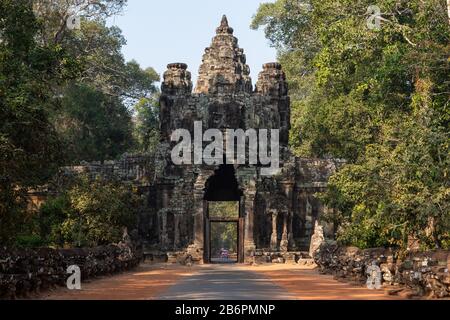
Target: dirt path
x=218 y=282
x=308 y=284
x=144 y=283
x=226 y=282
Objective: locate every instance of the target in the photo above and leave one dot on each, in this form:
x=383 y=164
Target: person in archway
x=224 y=254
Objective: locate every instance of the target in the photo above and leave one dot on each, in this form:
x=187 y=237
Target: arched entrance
x=224 y=218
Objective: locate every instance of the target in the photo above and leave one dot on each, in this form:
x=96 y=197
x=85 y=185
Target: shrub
x=89 y=213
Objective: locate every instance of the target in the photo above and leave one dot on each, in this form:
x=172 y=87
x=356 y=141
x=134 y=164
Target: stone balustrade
x=24 y=272
x=421 y=274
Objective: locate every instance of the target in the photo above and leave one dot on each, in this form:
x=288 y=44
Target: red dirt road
x=310 y=285
x=144 y=283
x=149 y=282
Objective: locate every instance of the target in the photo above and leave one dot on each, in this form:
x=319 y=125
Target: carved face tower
x=224 y=98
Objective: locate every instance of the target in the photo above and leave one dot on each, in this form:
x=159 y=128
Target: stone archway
x=245 y=182
x=222 y=187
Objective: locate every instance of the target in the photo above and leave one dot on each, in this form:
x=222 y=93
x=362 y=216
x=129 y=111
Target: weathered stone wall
x=417 y=273
x=262 y=256
x=24 y=272
x=138 y=169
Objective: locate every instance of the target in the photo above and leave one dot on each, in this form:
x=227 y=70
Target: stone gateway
x=260 y=218
x=275 y=215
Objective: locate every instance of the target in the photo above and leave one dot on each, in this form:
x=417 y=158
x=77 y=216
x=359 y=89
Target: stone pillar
x=274 y=235
x=288 y=187
x=176 y=237
x=247 y=182
x=284 y=236
x=199 y=212
x=249 y=241
x=309 y=216
x=163 y=236
x=291 y=242
x=165 y=197
x=198 y=219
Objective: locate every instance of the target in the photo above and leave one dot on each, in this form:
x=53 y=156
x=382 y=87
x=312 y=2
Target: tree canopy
x=378 y=99
x=66 y=95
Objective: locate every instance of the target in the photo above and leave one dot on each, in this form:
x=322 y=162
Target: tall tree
x=54 y=15
x=29 y=148
x=146 y=125
x=95 y=117
x=377 y=97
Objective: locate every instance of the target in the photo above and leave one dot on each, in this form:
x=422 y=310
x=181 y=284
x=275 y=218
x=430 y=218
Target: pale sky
x=159 y=32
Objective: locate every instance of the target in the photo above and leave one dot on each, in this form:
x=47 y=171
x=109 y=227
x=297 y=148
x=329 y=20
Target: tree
x=448 y=10
x=146 y=125
x=92 y=126
x=88 y=213
x=29 y=148
x=95 y=116
x=377 y=98
x=65 y=95
x=55 y=14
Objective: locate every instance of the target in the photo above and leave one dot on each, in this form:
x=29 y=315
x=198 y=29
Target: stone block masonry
x=277 y=213
x=24 y=272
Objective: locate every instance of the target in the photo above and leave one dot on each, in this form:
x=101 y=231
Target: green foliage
x=146 y=125
x=51 y=217
x=223 y=210
x=30 y=241
x=377 y=98
x=95 y=118
x=92 y=133
x=223 y=236
x=89 y=213
x=65 y=96
x=29 y=148
x=401 y=183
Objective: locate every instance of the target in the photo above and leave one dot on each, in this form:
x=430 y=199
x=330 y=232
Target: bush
x=30 y=241
x=89 y=213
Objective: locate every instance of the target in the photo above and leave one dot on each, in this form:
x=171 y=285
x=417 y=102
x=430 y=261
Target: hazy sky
x=159 y=32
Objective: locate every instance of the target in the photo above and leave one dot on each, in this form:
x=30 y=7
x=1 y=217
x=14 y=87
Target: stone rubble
x=25 y=272
x=421 y=274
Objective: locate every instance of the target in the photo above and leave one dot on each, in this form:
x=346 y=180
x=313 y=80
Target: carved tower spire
x=224 y=68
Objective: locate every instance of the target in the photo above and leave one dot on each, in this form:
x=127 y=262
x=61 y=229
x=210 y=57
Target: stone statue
x=373 y=276
x=317 y=239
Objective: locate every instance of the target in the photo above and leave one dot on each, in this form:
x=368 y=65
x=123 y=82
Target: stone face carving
x=224 y=69
x=177 y=80
x=224 y=99
x=317 y=239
